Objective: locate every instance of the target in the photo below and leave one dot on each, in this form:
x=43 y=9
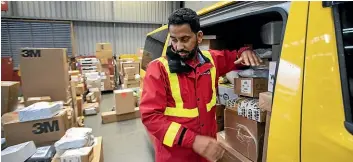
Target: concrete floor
x=124 y=141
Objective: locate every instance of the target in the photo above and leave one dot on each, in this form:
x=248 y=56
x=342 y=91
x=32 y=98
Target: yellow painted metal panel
x=324 y=137
x=284 y=135
x=214 y=7
x=158 y=30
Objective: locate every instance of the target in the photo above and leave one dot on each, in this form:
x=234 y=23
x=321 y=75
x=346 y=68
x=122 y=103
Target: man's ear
x=199 y=36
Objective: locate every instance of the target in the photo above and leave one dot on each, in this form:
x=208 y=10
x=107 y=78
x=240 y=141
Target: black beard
x=190 y=55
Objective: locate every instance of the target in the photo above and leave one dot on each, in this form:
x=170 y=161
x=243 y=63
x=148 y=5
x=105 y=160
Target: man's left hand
x=248 y=58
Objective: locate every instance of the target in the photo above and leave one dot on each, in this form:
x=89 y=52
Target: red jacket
x=196 y=91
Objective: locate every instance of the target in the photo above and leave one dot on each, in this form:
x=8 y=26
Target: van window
x=343 y=14
x=153 y=49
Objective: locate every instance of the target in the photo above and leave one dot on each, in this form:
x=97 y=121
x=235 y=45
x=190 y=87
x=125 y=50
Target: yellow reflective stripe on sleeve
x=171 y=133
x=213 y=78
x=181 y=112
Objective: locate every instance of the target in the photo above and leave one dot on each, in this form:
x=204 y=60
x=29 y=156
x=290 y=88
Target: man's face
x=183 y=40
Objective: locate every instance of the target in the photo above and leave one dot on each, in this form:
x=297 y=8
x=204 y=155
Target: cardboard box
x=230 y=155
x=74 y=72
x=106 y=54
x=18 y=153
x=91 y=98
x=93 y=83
x=106 y=84
x=265 y=101
x=250 y=87
x=211 y=42
x=225 y=93
x=41 y=132
x=244 y=135
x=9 y=94
x=91 y=108
x=111 y=116
x=79 y=102
x=267 y=130
x=84 y=154
x=220 y=117
x=131 y=85
x=98 y=150
x=249 y=108
x=33 y=100
x=135 y=65
x=129 y=77
x=271 y=76
x=44 y=72
x=104 y=47
x=124 y=101
x=80 y=89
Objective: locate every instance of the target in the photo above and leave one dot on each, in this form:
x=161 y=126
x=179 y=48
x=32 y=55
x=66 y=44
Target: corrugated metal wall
x=126 y=38
x=148 y=11
x=122 y=23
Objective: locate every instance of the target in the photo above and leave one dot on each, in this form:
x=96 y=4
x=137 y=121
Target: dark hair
x=185 y=16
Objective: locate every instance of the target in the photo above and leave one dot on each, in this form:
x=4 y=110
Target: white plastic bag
x=75 y=138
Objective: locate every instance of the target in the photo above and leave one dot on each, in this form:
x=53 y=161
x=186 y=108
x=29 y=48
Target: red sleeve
x=224 y=59
x=152 y=106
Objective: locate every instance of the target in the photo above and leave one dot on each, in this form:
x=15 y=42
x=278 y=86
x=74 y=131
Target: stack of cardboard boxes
x=131 y=71
x=78 y=89
x=105 y=55
x=45 y=77
x=50 y=105
x=246 y=119
x=125 y=107
x=93 y=98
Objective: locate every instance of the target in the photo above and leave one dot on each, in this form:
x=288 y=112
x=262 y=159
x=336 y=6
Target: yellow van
x=312 y=116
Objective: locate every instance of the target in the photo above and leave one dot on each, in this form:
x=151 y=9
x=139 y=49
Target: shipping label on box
x=271 y=76
x=246 y=86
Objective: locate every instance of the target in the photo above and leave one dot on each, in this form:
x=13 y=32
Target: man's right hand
x=208 y=148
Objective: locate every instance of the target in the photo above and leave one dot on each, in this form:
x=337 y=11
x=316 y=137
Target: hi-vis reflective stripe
x=171 y=133
x=179 y=110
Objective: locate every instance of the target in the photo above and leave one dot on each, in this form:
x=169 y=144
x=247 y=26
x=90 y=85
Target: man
x=179 y=93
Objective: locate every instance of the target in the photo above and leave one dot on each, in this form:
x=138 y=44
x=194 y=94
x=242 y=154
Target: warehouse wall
x=125 y=38
x=124 y=24
x=123 y=11
x=198 y=5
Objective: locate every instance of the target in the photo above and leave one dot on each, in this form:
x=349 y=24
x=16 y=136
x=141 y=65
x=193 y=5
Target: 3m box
x=250 y=87
x=244 y=135
x=33 y=100
x=9 y=94
x=124 y=101
x=41 y=132
x=104 y=47
x=44 y=72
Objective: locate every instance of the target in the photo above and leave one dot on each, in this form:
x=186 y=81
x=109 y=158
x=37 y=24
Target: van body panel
x=284 y=135
x=324 y=137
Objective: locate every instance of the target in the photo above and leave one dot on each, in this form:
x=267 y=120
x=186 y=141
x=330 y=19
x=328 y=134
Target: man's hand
x=208 y=148
x=248 y=58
